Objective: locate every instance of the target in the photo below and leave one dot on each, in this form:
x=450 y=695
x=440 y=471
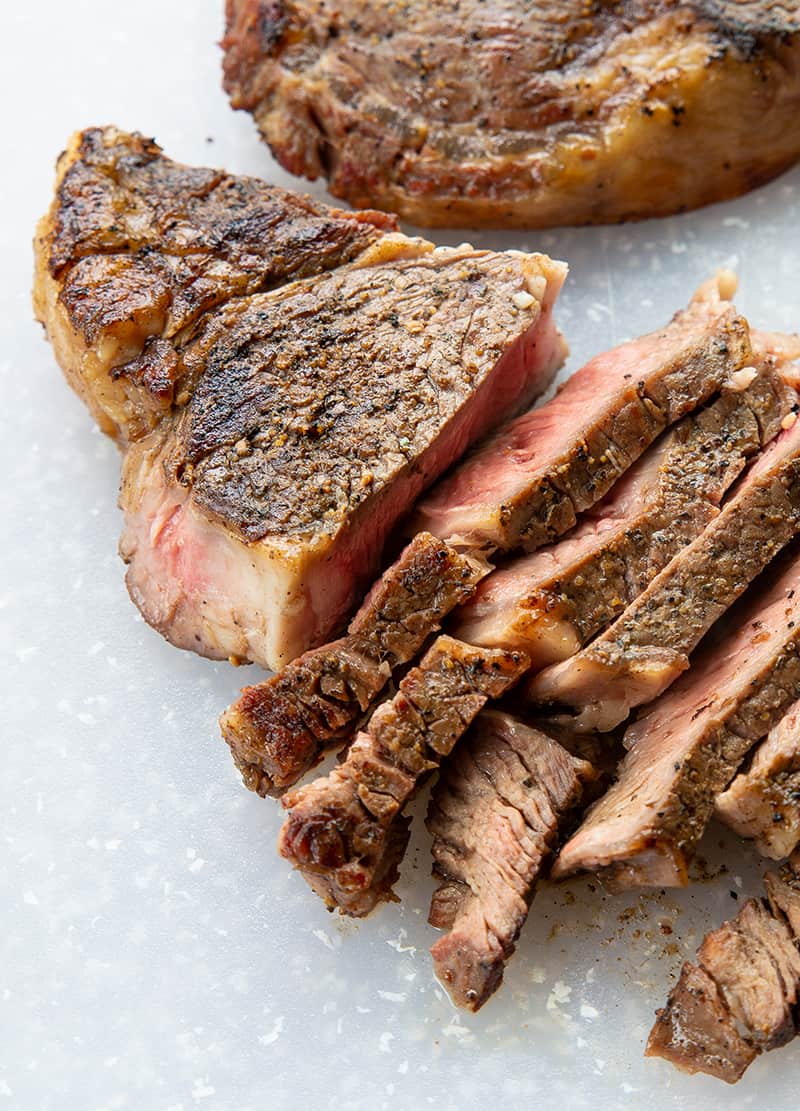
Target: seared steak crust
x=277 y=729
x=646 y=648
x=688 y=745
x=494 y=815
x=136 y=248
x=340 y=825
x=552 y=602
x=764 y=801
x=525 y=485
x=467 y=112
x=315 y=398
x=741 y=997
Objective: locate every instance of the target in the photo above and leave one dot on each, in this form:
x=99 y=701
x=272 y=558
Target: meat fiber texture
x=495 y=815
x=495 y=113
x=552 y=602
x=688 y=745
x=646 y=648
x=345 y=831
x=289 y=377
x=763 y=802
x=525 y=485
x=741 y=997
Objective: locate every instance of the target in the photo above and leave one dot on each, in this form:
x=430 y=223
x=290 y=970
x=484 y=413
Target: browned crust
x=482 y=113
x=278 y=729
x=136 y=248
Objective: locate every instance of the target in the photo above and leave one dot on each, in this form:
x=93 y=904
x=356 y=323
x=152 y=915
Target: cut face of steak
x=645 y=650
x=136 y=248
x=687 y=747
x=525 y=485
x=500 y=114
x=763 y=803
x=278 y=728
x=741 y=997
x=292 y=377
x=494 y=815
x=343 y=825
x=552 y=602
x=321 y=411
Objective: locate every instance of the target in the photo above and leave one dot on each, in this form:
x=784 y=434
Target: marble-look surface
x=155 y=953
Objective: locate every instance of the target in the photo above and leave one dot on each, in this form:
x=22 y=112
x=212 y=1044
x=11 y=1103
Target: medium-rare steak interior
x=303 y=392
x=507 y=114
x=634 y=390
x=525 y=485
x=687 y=746
x=741 y=997
x=552 y=602
x=646 y=648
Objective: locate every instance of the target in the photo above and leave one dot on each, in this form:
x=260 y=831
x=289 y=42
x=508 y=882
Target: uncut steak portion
x=763 y=802
x=255 y=521
x=525 y=485
x=500 y=113
x=277 y=729
x=494 y=814
x=688 y=745
x=136 y=248
x=741 y=997
x=346 y=831
x=553 y=601
x=646 y=648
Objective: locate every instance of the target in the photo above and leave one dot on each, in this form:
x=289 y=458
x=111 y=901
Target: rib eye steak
x=508 y=113
x=291 y=378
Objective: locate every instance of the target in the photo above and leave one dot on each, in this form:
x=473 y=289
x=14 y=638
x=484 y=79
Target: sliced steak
x=697 y=1032
x=687 y=747
x=525 y=485
x=136 y=248
x=491 y=112
x=340 y=825
x=741 y=998
x=321 y=410
x=552 y=602
x=646 y=649
x=494 y=814
x=763 y=803
x=277 y=729
x=783 y=892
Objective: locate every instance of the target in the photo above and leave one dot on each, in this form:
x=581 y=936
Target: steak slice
x=688 y=745
x=783 y=892
x=277 y=729
x=697 y=1032
x=341 y=824
x=525 y=485
x=645 y=649
x=550 y=603
x=321 y=410
x=763 y=803
x=535 y=115
x=494 y=814
x=741 y=997
x=136 y=248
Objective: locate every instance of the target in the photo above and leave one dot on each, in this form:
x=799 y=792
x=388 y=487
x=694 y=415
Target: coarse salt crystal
x=742 y=378
x=523 y=300
x=537 y=284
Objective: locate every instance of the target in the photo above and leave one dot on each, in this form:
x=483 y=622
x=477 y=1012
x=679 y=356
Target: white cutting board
x=154 y=951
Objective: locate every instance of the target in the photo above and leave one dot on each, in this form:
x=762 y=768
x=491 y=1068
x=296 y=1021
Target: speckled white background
x=154 y=952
